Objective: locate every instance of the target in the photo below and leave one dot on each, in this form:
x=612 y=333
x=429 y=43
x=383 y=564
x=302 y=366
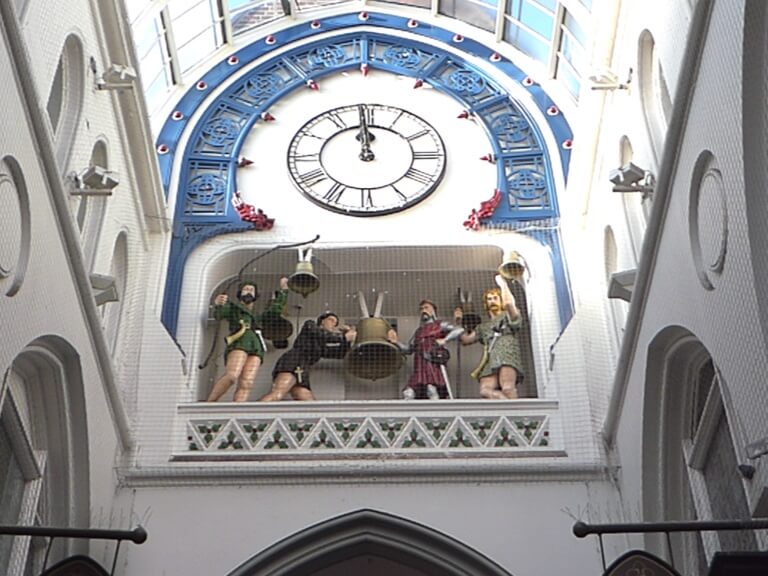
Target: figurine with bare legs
x=499 y=372
x=245 y=344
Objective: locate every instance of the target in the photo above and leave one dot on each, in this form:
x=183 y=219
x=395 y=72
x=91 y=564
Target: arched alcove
x=43 y=417
x=611 y=252
x=91 y=210
x=689 y=455
x=98 y=158
x=618 y=307
x=654 y=92
x=407 y=273
x=15 y=223
x=405 y=546
x=626 y=152
x=113 y=311
x=65 y=99
x=636 y=206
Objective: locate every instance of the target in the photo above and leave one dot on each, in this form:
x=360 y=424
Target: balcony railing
x=370 y=429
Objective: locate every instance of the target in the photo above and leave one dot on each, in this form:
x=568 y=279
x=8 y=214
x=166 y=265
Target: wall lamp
x=93 y=181
x=104 y=289
x=117 y=77
x=622 y=284
x=605 y=79
x=632 y=178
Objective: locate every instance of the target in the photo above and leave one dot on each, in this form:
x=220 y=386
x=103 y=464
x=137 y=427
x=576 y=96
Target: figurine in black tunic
x=317 y=339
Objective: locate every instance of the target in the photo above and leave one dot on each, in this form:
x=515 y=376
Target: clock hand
x=364 y=136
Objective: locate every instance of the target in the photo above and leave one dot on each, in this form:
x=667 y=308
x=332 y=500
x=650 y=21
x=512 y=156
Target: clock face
x=366 y=159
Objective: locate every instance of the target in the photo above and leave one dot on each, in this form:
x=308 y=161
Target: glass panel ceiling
x=172 y=37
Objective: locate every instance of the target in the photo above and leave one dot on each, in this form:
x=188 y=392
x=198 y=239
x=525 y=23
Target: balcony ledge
x=365 y=430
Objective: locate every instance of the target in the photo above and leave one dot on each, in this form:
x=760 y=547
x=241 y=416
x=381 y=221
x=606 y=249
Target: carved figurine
x=500 y=370
x=323 y=338
x=428 y=379
x=245 y=344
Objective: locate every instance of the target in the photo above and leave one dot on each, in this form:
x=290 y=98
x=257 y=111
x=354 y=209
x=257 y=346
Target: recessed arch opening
x=415 y=548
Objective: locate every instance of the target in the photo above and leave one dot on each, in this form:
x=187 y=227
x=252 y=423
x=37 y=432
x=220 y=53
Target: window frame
x=697 y=445
x=32 y=464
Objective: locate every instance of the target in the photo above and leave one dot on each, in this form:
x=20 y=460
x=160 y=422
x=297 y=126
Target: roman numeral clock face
x=366 y=159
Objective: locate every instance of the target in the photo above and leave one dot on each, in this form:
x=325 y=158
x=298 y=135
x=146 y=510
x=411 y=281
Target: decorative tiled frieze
x=527 y=428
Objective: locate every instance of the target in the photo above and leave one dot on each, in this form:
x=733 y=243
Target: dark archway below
x=369 y=542
x=370 y=566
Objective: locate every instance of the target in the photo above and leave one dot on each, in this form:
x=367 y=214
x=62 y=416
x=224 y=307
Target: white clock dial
x=366 y=159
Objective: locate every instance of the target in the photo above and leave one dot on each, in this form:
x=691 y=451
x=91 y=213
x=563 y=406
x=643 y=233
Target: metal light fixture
x=104 y=289
x=632 y=178
x=605 y=79
x=93 y=181
x=117 y=77
x=621 y=284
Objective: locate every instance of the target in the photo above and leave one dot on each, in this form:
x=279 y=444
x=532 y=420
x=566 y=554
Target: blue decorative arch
x=207 y=177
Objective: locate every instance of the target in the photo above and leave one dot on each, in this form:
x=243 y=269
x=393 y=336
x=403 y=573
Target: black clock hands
x=364 y=136
x=404 y=159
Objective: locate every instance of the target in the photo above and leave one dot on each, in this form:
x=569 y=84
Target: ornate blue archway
x=207 y=179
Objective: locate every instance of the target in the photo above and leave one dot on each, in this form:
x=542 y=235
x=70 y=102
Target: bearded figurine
x=429 y=379
x=500 y=370
x=245 y=344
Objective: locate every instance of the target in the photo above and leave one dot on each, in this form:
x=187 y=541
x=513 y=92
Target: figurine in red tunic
x=430 y=355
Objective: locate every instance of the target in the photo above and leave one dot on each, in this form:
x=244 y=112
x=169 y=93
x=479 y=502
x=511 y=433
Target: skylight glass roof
x=173 y=37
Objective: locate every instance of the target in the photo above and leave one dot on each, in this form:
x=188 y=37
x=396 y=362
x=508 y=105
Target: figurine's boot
x=408 y=393
x=432 y=392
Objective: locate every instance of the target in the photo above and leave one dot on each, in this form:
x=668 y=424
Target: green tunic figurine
x=245 y=345
x=499 y=371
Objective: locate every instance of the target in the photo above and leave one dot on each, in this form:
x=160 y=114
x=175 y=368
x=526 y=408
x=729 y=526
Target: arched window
x=636 y=206
x=15 y=227
x=98 y=158
x=708 y=446
x=65 y=99
x=626 y=153
x=654 y=92
x=618 y=306
x=113 y=311
x=690 y=451
x=43 y=453
x=90 y=210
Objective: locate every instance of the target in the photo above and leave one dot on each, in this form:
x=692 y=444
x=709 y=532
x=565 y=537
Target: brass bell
x=470 y=319
x=373 y=356
x=277 y=328
x=303 y=281
x=513 y=267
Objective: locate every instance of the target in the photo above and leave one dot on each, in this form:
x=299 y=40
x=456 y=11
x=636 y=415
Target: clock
x=366 y=159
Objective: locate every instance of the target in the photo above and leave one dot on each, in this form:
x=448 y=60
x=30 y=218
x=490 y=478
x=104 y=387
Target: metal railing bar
x=138 y=535
x=582 y=529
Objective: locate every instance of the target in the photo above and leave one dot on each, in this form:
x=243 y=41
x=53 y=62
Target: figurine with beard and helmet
x=427 y=345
